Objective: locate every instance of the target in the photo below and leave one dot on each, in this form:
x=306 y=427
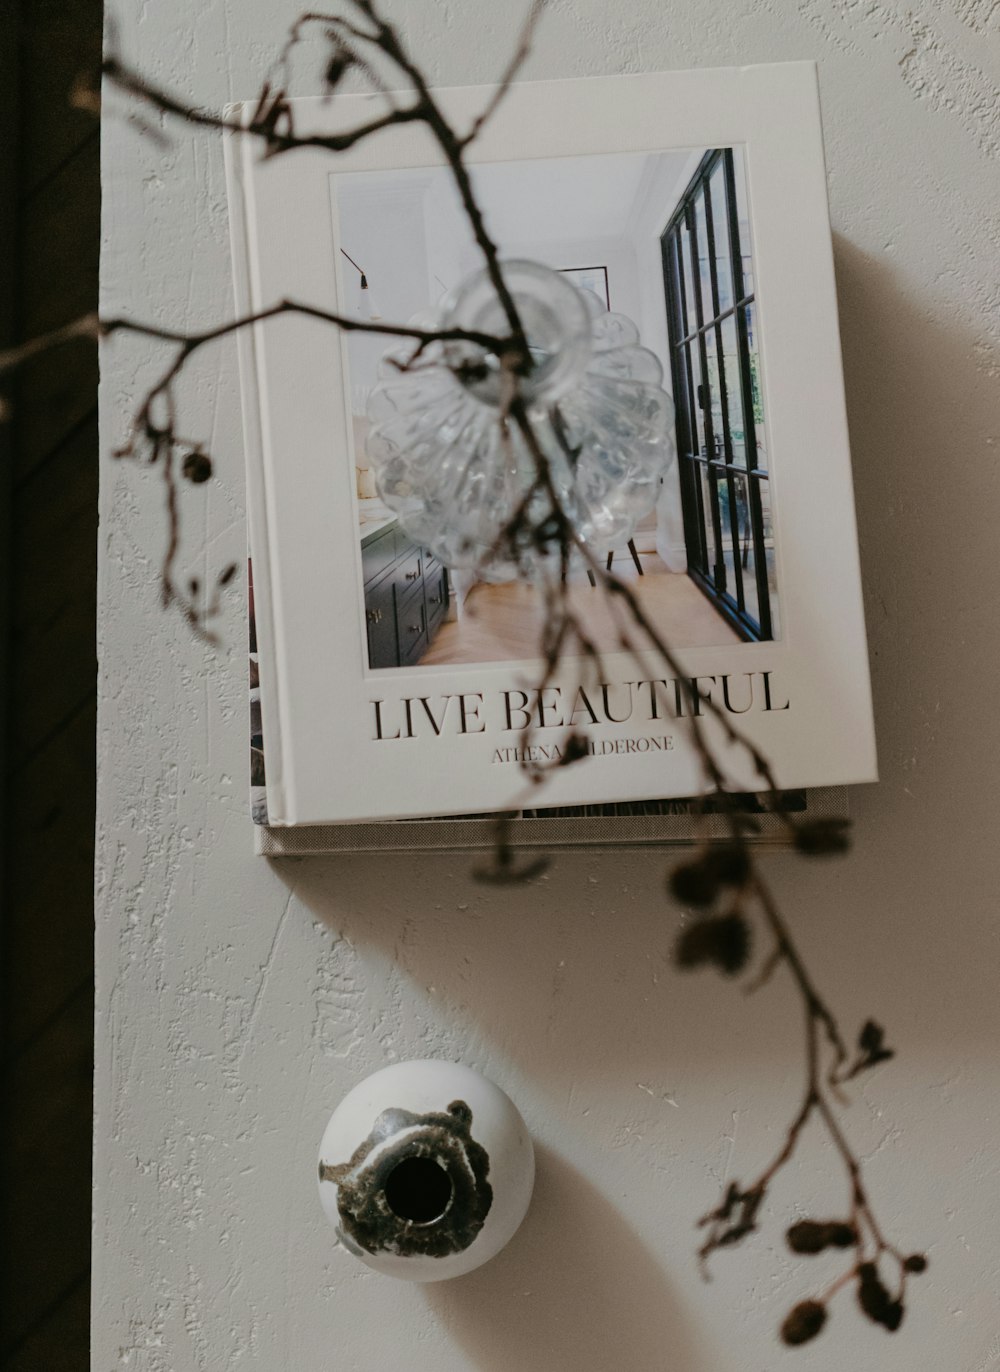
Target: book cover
x=391 y=685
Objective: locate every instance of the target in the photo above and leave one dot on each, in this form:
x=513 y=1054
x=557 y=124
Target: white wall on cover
x=236 y=1002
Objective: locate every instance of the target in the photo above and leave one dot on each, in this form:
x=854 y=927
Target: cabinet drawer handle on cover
x=412 y=576
x=415 y=628
x=374 y=616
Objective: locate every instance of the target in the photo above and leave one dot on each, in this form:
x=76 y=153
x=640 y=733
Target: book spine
x=258 y=541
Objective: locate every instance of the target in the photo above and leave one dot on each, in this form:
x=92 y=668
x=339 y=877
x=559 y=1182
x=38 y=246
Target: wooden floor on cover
x=502 y=623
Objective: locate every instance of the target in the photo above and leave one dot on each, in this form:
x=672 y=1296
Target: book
x=635 y=823
x=390 y=685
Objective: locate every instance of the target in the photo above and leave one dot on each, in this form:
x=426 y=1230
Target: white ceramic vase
x=426 y=1170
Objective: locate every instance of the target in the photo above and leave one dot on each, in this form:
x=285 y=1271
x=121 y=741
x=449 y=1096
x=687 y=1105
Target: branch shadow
x=542 y=969
x=574 y=1291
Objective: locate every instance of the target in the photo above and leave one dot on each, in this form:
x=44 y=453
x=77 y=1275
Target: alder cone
x=197 y=467
x=723 y=941
x=813 y=1236
x=803 y=1322
x=875 y=1300
x=693 y=884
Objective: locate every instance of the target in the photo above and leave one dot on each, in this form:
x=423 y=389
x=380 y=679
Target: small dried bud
x=730 y=863
x=841 y=1234
x=820 y=836
x=813 y=1236
x=699 y=882
x=871 y=1048
x=724 y=941
x=197 y=467
x=916 y=1262
x=336 y=67
x=875 y=1300
x=803 y=1322
x=227 y=574
x=574 y=750
x=732 y=1198
x=693 y=883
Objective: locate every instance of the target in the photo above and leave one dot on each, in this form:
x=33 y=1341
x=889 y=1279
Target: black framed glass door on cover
x=721 y=440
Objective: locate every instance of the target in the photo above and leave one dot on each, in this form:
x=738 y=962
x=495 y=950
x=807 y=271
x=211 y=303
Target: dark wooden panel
x=59 y=242
x=49 y=263
x=49 y=917
x=54 y=581
x=47 y=1165
x=60 y=41
x=9 y=170
x=60 y=1341
x=59 y=253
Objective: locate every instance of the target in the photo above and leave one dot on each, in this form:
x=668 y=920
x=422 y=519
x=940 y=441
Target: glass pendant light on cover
x=455 y=475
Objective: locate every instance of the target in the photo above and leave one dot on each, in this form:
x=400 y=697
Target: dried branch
x=270 y=121
x=191 y=342
x=736 y=1215
x=517 y=61
x=723 y=881
x=159 y=442
x=273 y=122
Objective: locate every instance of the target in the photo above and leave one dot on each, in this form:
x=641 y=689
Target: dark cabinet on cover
x=406 y=596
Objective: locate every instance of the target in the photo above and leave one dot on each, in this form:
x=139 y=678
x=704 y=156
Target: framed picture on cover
x=590 y=279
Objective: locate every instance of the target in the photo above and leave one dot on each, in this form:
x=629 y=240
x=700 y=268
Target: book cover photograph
x=666 y=240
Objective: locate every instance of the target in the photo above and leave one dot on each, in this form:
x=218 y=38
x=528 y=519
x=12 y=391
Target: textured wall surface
x=237 y=1002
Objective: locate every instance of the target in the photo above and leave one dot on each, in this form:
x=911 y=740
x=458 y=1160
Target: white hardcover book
x=391 y=686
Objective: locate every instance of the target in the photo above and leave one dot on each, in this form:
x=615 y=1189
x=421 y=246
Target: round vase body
x=426 y=1170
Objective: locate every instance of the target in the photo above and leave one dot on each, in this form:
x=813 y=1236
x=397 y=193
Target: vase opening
x=418 y=1190
x=556 y=323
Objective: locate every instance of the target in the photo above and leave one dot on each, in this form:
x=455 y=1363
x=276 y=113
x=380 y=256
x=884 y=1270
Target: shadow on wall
x=921 y=393
x=537 y=971
x=574 y=1291
x=922 y=410
x=568 y=979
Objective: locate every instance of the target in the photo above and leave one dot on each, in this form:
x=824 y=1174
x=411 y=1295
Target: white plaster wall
x=236 y=1002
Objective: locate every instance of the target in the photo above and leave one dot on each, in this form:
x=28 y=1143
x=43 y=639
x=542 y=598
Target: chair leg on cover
x=635 y=557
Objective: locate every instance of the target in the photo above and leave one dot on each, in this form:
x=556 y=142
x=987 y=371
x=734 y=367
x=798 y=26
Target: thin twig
x=191 y=342
x=86 y=326
x=517 y=61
